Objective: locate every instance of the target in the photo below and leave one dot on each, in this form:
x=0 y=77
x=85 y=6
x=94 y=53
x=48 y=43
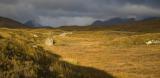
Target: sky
x=76 y=12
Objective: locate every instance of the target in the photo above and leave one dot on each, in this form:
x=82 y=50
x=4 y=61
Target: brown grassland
x=89 y=52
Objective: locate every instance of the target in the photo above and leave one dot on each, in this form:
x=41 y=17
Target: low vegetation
x=20 y=59
x=81 y=52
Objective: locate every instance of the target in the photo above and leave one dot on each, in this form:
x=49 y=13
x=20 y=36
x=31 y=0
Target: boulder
x=49 y=42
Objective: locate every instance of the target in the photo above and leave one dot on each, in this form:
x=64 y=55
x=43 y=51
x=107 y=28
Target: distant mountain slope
x=32 y=23
x=10 y=23
x=145 y=25
x=150 y=18
x=113 y=21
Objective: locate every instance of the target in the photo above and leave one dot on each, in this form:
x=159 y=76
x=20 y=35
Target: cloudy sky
x=76 y=12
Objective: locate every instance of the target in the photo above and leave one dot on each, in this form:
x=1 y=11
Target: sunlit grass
x=124 y=54
x=22 y=55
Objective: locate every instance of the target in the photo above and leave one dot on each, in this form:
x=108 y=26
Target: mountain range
x=10 y=23
x=118 y=20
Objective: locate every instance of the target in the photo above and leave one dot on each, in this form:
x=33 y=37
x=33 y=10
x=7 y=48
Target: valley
x=122 y=54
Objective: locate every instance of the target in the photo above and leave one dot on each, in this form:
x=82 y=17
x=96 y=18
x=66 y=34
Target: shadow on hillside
x=24 y=61
x=52 y=67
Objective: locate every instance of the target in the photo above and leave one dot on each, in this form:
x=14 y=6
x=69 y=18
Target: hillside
x=113 y=21
x=10 y=23
x=129 y=22
x=22 y=55
x=147 y=25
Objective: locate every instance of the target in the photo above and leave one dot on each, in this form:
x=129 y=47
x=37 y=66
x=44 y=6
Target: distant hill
x=10 y=23
x=113 y=21
x=146 y=22
x=150 y=18
x=144 y=25
x=32 y=23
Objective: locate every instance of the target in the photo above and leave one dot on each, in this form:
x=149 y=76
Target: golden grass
x=19 y=59
x=123 y=54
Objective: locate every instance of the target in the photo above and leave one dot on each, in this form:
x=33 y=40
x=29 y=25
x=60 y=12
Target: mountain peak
x=32 y=23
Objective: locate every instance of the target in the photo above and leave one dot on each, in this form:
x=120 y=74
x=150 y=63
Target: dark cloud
x=8 y=1
x=151 y=3
x=84 y=11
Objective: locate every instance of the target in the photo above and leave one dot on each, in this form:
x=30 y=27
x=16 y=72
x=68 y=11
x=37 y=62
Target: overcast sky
x=76 y=12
